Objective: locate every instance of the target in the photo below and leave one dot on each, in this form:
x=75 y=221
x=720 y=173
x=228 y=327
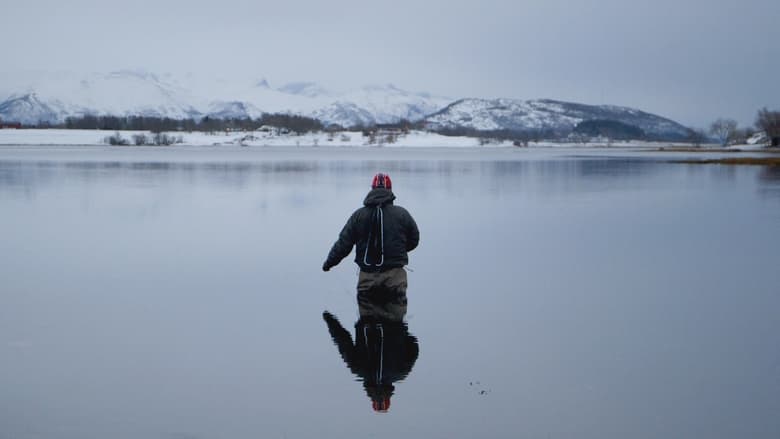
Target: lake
x=556 y=293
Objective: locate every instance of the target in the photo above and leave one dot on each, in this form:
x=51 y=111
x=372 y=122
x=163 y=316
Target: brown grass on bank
x=767 y=150
x=764 y=161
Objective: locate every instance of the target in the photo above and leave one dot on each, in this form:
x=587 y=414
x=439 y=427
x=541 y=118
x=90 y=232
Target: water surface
x=177 y=293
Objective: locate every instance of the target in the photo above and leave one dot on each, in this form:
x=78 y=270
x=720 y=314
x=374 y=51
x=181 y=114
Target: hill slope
x=546 y=115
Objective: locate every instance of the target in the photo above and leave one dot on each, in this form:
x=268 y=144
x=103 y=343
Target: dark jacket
x=382 y=232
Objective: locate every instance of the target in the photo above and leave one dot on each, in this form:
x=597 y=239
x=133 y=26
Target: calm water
x=178 y=294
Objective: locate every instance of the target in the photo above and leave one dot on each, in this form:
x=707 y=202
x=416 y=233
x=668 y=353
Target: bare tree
x=769 y=122
x=371 y=137
x=116 y=140
x=723 y=130
x=140 y=139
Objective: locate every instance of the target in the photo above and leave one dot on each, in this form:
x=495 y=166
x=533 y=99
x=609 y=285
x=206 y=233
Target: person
x=382 y=234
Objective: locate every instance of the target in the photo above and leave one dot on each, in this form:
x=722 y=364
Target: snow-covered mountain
x=345 y=114
x=51 y=97
x=233 y=110
x=28 y=109
x=544 y=114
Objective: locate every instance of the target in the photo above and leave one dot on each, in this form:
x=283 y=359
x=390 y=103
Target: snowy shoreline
x=349 y=139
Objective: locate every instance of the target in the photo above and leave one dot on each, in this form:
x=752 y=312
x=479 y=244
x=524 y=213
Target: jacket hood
x=379 y=197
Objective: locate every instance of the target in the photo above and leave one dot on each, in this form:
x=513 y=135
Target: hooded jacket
x=382 y=233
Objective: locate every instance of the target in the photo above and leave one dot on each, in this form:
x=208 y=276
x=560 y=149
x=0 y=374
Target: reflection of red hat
x=381 y=181
x=381 y=405
x=380 y=396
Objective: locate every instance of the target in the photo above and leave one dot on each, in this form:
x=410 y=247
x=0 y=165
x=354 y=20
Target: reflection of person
x=382 y=233
x=383 y=353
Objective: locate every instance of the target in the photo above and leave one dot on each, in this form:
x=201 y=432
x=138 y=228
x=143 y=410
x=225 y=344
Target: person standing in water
x=382 y=234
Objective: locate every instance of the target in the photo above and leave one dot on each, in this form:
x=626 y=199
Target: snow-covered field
x=261 y=138
x=255 y=138
x=61 y=137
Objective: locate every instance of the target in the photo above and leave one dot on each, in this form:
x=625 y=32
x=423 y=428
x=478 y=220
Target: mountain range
x=53 y=96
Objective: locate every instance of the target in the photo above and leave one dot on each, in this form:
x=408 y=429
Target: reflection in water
x=383 y=351
x=770 y=174
x=226 y=171
x=770 y=180
x=39 y=174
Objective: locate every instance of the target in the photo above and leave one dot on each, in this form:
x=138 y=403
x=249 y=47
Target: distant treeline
x=582 y=132
x=289 y=122
x=285 y=122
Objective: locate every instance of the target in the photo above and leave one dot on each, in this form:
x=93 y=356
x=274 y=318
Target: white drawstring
x=382 y=241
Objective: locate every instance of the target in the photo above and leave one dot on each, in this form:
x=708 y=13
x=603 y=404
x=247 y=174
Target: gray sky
x=688 y=60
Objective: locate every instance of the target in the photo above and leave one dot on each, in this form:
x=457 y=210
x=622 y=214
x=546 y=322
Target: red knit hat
x=382 y=181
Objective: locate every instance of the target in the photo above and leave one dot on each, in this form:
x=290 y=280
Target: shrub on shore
x=157 y=139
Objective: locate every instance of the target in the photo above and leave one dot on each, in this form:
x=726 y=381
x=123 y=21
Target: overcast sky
x=688 y=60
